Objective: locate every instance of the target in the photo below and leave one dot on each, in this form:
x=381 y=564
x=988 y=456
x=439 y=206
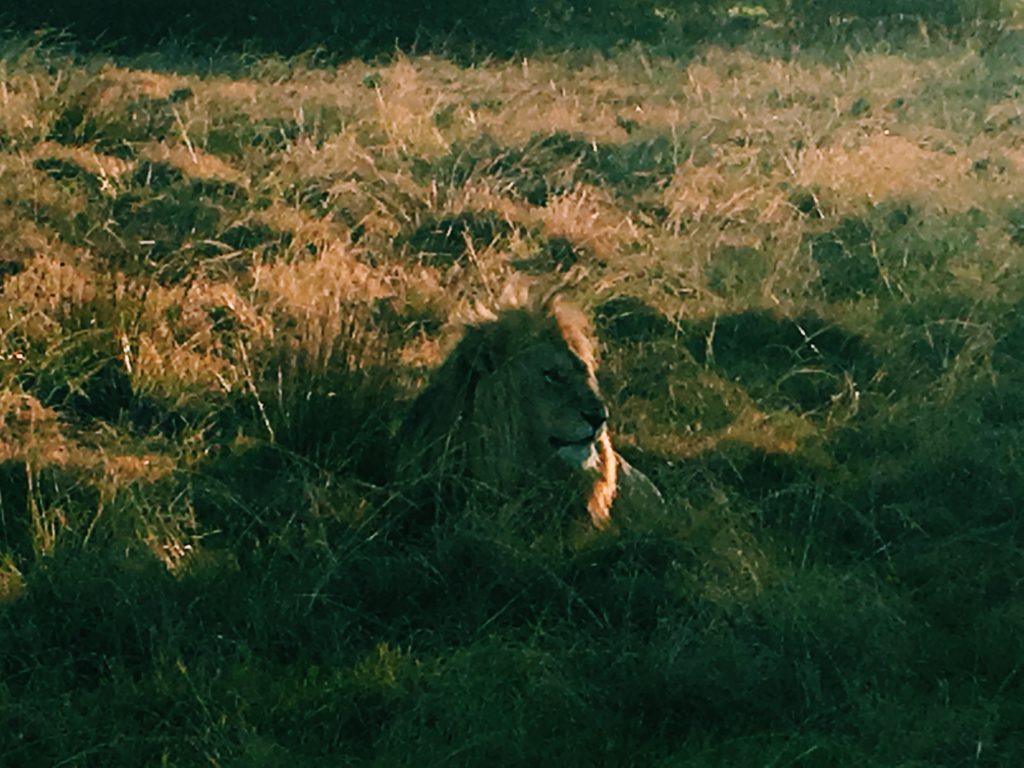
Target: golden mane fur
x=516 y=408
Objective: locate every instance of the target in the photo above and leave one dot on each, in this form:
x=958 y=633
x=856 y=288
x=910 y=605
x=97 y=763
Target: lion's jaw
x=580 y=454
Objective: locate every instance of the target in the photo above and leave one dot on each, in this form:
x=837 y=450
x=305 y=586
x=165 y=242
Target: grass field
x=223 y=280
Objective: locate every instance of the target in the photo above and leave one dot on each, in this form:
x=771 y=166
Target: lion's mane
x=474 y=426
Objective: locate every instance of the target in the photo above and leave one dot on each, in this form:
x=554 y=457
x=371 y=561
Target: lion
x=516 y=408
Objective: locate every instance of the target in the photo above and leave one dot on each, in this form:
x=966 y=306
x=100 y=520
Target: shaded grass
x=477 y=31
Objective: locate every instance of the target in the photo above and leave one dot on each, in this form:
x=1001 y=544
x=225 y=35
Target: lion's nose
x=596 y=418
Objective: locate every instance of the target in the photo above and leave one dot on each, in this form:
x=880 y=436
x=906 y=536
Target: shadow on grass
x=468 y=31
x=798 y=596
x=311 y=648
x=345 y=29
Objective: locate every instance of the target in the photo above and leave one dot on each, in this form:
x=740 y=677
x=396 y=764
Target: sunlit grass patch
x=48 y=286
x=193 y=163
x=32 y=431
x=891 y=167
x=12 y=584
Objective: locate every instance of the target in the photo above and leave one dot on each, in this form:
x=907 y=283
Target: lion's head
x=516 y=406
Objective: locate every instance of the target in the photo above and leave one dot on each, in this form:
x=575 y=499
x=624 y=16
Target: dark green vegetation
x=473 y=29
x=218 y=293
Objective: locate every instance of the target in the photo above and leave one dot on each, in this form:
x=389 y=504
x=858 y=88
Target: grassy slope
x=806 y=268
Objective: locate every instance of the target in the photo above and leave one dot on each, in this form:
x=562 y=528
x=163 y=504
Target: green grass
x=220 y=290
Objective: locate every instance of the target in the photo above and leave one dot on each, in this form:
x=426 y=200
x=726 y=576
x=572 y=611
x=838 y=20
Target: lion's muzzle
x=582 y=453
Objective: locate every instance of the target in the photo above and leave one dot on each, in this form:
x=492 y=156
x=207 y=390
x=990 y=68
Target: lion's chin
x=580 y=455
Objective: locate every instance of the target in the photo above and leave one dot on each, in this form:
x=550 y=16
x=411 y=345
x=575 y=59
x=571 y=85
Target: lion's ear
x=549 y=299
x=549 y=296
